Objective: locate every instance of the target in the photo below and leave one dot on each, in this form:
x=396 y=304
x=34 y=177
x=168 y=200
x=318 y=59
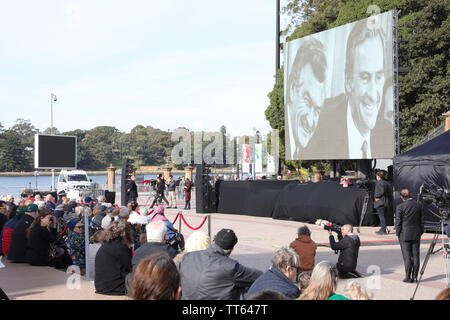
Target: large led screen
x=55 y=152
x=339 y=99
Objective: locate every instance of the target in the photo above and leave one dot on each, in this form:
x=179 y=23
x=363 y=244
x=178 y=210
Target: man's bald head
x=347 y=229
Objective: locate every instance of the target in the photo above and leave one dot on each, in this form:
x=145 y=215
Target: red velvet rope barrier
x=182 y=217
x=176 y=218
x=201 y=225
x=65 y=228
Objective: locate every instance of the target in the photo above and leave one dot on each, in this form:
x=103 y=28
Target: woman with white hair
x=199 y=240
x=156 y=241
x=323 y=284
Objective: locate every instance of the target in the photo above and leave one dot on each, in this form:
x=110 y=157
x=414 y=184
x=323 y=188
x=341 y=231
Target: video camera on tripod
x=364 y=184
x=440 y=197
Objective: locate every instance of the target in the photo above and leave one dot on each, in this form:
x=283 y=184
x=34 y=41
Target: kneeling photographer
x=348 y=247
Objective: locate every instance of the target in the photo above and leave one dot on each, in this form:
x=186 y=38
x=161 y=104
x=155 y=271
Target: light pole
x=52 y=99
x=36 y=173
x=277 y=37
x=277 y=58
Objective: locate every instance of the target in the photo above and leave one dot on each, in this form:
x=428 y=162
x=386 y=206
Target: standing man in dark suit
x=132 y=193
x=217 y=182
x=409 y=228
x=383 y=200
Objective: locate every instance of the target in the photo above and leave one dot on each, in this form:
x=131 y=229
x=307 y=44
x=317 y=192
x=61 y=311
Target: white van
x=74 y=180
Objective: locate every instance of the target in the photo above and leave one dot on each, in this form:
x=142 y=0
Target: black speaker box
x=110 y=197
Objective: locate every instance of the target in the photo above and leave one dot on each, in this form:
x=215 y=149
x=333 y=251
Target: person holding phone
x=41 y=234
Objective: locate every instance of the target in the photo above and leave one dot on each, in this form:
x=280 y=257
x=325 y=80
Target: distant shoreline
x=48 y=173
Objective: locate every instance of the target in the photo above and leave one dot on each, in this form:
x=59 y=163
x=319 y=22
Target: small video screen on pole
x=55 y=152
x=338 y=92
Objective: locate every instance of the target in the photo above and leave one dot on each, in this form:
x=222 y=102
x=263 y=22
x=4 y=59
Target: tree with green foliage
x=14 y=152
x=83 y=153
x=18 y=146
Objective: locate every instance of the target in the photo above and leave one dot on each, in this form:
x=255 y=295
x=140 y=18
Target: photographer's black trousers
x=346 y=273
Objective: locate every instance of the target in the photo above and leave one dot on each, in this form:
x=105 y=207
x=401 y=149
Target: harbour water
x=14 y=184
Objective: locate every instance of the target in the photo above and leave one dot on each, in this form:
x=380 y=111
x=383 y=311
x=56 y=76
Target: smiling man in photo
x=305 y=95
x=364 y=82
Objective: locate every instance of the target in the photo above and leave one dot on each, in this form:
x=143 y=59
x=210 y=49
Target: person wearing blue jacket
x=281 y=276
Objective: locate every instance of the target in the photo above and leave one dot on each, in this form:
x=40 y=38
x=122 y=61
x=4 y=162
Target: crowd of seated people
x=44 y=231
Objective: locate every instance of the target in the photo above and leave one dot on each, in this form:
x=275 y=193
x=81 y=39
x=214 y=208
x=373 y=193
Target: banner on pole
x=246 y=158
x=258 y=158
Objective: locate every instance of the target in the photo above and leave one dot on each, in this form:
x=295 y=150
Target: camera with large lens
x=327 y=225
x=332 y=227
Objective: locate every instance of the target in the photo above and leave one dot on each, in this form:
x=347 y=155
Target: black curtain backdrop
x=294 y=201
x=253 y=198
x=427 y=164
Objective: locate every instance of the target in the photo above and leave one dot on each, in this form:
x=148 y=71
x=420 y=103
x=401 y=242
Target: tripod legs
x=427 y=257
x=364 y=210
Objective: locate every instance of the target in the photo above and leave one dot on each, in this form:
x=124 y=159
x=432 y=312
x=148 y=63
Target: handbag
x=52 y=252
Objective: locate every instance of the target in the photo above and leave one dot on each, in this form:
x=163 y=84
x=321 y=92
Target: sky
x=198 y=64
